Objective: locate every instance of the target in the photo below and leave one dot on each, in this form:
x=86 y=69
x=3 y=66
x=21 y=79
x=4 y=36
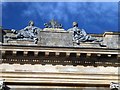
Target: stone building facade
x=57 y=63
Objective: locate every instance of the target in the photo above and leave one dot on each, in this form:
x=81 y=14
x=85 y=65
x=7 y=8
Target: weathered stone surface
x=21 y=42
x=53 y=29
x=71 y=75
x=88 y=44
x=54 y=38
x=61 y=38
x=111 y=40
x=55 y=88
x=67 y=76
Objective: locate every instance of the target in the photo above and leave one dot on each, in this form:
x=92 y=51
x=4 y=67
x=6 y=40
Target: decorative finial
x=53 y=24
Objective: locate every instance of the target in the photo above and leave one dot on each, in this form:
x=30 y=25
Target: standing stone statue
x=79 y=35
x=28 y=33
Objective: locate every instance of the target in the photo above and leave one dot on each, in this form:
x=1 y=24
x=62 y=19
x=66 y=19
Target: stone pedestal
x=61 y=38
x=53 y=29
x=111 y=39
x=55 y=38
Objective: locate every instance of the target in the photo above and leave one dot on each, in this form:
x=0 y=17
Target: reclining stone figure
x=79 y=35
x=28 y=33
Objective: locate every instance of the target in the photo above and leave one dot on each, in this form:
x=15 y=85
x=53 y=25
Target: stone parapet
x=61 y=38
x=54 y=29
x=111 y=39
x=55 y=38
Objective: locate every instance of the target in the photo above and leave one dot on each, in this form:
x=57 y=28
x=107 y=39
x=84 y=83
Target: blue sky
x=94 y=17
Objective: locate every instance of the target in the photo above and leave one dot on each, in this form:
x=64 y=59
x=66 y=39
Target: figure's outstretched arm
x=26 y=28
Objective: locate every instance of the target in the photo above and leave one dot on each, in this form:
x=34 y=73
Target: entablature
x=60 y=55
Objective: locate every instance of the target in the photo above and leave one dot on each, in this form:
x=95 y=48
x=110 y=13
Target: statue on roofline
x=28 y=33
x=2 y=85
x=79 y=35
x=53 y=24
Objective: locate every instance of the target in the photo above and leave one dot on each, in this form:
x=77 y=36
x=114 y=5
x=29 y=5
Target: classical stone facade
x=56 y=62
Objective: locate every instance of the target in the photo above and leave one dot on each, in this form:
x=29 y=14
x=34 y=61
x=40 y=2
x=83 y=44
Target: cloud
x=47 y=11
x=62 y=11
x=90 y=15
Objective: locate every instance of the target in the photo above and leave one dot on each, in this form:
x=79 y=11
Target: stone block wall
x=53 y=38
x=62 y=38
x=111 y=40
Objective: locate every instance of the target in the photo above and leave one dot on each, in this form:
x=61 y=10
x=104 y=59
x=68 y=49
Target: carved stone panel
x=52 y=38
x=112 y=40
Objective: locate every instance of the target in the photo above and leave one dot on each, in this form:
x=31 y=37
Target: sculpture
x=114 y=86
x=53 y=24
x=29 y=32
x=2 y=84
x=2 y=33
x=79 y=35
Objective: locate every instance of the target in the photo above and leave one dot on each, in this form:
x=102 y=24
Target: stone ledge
x=46 y=70
x=111 y=33
x=54 y=30
x=21 y=42
x=88 y=44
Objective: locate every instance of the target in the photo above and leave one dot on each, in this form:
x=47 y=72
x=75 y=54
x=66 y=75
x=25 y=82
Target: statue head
x=75 y=24
x=31 y=23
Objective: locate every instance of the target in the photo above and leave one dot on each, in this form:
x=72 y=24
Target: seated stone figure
x=79 y=35
x=28 y=33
